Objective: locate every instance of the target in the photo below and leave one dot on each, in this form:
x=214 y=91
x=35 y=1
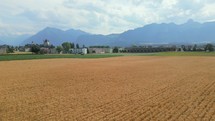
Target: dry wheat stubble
x=122 y=88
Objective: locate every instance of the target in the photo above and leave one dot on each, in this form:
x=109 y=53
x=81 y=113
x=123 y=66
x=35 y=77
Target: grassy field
x=168 y=54
x=28 y=56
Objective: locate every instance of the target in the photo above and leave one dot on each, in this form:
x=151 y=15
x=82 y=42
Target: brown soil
x=121 y=88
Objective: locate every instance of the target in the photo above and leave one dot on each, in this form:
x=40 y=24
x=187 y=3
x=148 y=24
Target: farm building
x=3 y=49
x=179 y=49
x=27 y=49
x=100 y=50
x=21 y=49
x=121 y=49
x=78 y=51
x=45 y=50
x=53 y=51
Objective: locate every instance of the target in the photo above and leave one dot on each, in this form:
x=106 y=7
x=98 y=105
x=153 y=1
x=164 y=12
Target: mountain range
x=55 y=36
x=165 y=33
x=14 y=39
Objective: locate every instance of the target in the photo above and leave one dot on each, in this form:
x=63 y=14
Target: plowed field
x=120 y=88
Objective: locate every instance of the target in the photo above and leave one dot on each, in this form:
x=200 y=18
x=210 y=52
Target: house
x=179 y=49
x=27 y=49
x=100 y=50
x=21 y=49
x=3 y=49
x=78 y=51
x=121 y=50
x=44 y=50
x=53 y=51
x=46 y=43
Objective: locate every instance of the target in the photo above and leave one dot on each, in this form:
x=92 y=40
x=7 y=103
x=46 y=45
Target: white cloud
x=208 y=10
x=98 y=16
x=169 y=4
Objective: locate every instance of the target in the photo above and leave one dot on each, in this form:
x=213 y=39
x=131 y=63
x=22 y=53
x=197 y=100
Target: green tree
x=195 y=47
x=59 y=49
x=10 y=49
x=115 y=50
x=209 y=47
x=35 y=49
x=66 y=46
x=77 y=46
x=183 y=47
x=72 y=45
x=51 y=46
x=189 y=48
x=88 y=51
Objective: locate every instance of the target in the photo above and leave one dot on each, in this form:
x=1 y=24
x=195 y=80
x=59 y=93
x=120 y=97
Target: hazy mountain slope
x=189 y=32
x=14 y=39
x=56 y=36
x=90 y=40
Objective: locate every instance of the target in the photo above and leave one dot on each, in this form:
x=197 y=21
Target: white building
x=27 y=49
x=100 y=50
x=78 y=51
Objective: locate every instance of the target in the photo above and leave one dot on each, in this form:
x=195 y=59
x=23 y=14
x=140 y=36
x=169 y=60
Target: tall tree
x=66 y=46
x=35 y=49
x=10 y=49
x=183 y=47
x=115 y=50
x=77 y=45
x=195 y=47
x=72 y=45
x=59 y=49
x=209 y=47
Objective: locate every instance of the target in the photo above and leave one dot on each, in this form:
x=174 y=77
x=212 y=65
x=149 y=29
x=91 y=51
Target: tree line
x=66 y=46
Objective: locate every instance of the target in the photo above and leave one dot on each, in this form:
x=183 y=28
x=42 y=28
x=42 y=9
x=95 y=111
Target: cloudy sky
x=19 y=17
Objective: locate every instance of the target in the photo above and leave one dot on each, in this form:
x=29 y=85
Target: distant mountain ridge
x=14 y=39
x=190 y=32
x=56 y=36
x=168 y=33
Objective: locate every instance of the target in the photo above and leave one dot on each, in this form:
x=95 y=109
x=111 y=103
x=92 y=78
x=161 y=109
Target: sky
x=18 y=17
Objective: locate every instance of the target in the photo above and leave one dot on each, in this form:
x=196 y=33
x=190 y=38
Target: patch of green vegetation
x=30 y=56
x=168 y=54
x=139 y=54
x=10 y=57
